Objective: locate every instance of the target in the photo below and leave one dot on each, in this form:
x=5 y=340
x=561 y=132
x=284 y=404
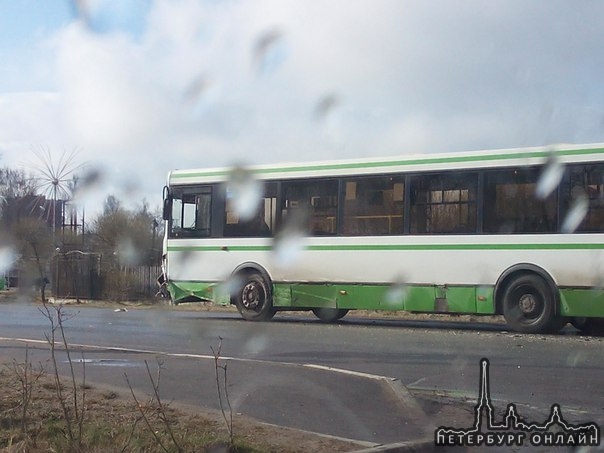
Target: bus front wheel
x=253 y=298
x=528 y=305
x=329 y=314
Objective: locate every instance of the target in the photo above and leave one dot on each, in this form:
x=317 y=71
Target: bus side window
x=512 y=206
x=585 y=190
x=191 y=213
x=176 y=214
x=373 y=206
x=311 y=205
x=444 y=203
x=203 y=214
x=261 y=224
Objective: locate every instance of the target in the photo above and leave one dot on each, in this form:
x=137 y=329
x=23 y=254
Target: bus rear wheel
x=253 y=298
x=579 y=323
x=528 y=305
x=329 y=314
x=589 y=326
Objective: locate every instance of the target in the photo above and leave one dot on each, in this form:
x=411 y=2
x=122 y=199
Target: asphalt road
x=356 y=379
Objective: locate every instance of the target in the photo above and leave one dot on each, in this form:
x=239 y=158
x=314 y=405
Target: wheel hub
x=250 y=296
x=527 y=303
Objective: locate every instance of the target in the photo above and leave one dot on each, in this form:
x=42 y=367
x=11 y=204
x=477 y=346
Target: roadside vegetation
x=113 y=423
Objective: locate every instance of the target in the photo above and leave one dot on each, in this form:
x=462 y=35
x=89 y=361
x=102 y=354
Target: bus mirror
x=167 y=211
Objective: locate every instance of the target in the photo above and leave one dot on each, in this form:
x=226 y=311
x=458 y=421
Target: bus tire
x=253 y=298
x=329 y=314
x=579 y=323
x=591 y=326
x=528 y=305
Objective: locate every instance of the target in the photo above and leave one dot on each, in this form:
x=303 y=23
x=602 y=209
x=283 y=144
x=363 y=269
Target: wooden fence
x=81 y=275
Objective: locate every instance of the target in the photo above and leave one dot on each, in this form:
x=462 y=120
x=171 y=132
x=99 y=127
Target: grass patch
x=113 y=424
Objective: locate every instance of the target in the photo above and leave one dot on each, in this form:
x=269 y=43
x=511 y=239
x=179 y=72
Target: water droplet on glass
x=326 y=106
x=229 y=286
x=92 y=178
x=257 y=343
x=506 y=228
x=200 y=94
x=184 y=256
x=576 y=214
x=7 y=258
x=328 y=113
x=268 y=52
x=576 y=359
x=550 y=177
x=107 y=16
x=288 y=246
x=127 y=253
x=129 y=189
x=244 y=193
x=396 y=293
x=87 y=185
x=484 y=292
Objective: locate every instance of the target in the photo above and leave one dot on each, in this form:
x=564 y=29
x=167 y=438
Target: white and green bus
x=514 y=232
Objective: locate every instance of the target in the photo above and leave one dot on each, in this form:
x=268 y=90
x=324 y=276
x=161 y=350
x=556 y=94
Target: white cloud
x=26 y=120
x=110 y=102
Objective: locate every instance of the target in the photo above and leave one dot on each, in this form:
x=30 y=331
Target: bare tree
x=126 y=239
x=15 y=183
x=35 y=248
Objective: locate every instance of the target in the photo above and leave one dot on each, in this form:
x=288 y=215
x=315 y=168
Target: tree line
x=47 y=243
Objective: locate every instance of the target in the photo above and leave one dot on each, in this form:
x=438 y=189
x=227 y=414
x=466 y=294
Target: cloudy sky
x=139 y=87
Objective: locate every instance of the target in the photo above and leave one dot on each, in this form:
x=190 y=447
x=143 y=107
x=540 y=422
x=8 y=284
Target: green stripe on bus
x=417 y=161
x=392 y=247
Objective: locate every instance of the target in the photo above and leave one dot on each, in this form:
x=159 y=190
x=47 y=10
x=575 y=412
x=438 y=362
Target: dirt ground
x=113 y=422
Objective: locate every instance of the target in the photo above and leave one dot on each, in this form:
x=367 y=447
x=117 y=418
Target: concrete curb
x=402 y=447
x=407 y=402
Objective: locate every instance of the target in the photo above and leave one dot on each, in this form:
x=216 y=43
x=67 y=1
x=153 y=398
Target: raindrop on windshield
x=268 y=51
x=106 y=16
x=288 y=247
x=87 y=185
x=328 y=114
x=506 y=228
x=201 y=94
x=127 y=252
x=244 y=193
x=577 y=359
x=326 y=106
x=550 y=178
x=229 y=286
x=290 y=242
x=184 y=256
x=257 y=343
x=576 y=214
x=7 y=258
x=396 y=293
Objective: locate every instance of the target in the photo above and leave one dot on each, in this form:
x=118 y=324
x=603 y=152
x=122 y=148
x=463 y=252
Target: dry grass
x=113 y=423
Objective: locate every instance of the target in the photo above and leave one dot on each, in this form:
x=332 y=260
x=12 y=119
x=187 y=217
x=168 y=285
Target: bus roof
x=396 y=164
